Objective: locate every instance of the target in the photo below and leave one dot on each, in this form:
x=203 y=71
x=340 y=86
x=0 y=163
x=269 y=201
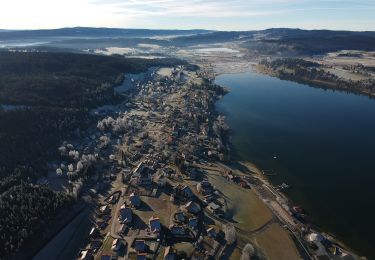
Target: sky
x=236 y=15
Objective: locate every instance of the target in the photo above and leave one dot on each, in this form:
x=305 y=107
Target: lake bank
x=312 y=82
x=255 y=222
x=263 y=114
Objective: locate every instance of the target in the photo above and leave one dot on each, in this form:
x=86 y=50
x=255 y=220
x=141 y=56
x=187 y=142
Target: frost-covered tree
x=79 y=166
x=247 y=252
x=59 y=172
x=71 y=167
x=230 y=233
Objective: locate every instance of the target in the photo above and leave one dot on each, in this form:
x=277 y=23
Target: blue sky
x=187 y=14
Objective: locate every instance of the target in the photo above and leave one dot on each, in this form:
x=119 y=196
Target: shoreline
x=326 y=85
x=259 y=220
x=252 y=167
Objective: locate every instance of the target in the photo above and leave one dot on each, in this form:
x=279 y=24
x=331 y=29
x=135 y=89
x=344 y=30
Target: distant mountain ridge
x=270 y=41
x=92 y=32
x=192 y=35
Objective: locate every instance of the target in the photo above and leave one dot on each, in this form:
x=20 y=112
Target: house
x=206 y=188
x=187 y=192
x=233 y=178
x=94 y=232
x=192 y=173
x=112 y=200
x=169 y=253
x=140 y=245
x=105 y=209
x=101 y=224
x=141 y=256
x=177 y=230
x=193 y=223
x=213 y=207
x=183 y=192
x=154 y=224
x=116 y=245
x=123 y=230
x=135 y=200
x=160 y=180
x=244 y=184
x=96 y=244
x=209 y=198
x=179 y=216
x=142 y=174
x=105 y=257
x=167 y=171
x=211 y=232
x=126 y=215
x=86 y=255
x=192 y=207
x=145 y=177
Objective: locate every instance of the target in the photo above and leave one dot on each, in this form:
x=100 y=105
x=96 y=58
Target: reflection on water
x=318 y=141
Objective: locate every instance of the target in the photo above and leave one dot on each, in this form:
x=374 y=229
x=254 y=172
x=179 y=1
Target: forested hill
x=64 y=79
x=56 y=91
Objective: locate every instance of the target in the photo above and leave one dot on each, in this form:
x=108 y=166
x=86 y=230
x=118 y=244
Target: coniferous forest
x=50 y=95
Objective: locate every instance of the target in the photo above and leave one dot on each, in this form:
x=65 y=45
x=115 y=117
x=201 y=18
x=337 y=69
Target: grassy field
x=107 y=244
x=248 y=211
x=249 y=214
x=276 y=243
x=158 y=207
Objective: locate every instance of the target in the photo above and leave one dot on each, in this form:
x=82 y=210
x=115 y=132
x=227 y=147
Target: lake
x=324 y=144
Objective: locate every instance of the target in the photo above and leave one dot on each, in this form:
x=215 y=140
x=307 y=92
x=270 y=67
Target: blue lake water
x=324 y=142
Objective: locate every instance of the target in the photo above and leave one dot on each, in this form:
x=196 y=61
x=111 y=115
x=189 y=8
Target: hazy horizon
x=178 y=29
x=229 y=15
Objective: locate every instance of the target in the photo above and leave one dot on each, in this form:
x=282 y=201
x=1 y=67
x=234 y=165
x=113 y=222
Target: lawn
x=248 y=211
x=159 y=207
x=276 y=243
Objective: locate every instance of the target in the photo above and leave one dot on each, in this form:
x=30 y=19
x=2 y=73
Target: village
x=147 y=170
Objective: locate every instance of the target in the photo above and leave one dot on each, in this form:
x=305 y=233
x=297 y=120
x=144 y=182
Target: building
x=213 y=207
x=116 y=245
x=183 y=192
x=211 y=232
x=105 y=209
x=177 y=230
x=135 y=200
x=187 y=192
x=193 y=223
x=192 y=207
x=86 y=255
x=140 y=245
x=94 y=232
x=126 y=215
x=192 y=173
x=206 y=188
x=154 y=224
x=160 y=180
x=123 y=229
x=142 y=174
x=141 y=256
x=179 y=216
x=169 y=253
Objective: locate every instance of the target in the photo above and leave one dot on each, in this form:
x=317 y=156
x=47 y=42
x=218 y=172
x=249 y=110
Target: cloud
x=192 y=8
x=211 y=14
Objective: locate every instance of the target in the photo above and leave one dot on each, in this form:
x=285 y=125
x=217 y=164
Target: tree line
x=44 y=97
